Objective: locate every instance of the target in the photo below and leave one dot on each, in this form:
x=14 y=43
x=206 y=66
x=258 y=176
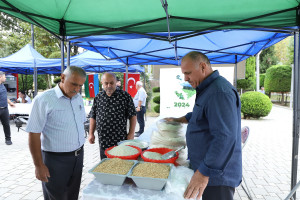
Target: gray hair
x=73 y=69
x=2 y=73
x=139 y=83
x=196 y=56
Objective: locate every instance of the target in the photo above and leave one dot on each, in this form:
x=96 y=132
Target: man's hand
x=196 y=187
x=91 y=138
x=170 y=119
x=42 y=173
x=138 y=109
x=12 y=104
x=130 y=136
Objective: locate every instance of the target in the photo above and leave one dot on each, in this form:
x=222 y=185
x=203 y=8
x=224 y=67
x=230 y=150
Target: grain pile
x=123 y=151
x=152 y=155
x=133 y=143
x=153 y=170
x=114 y=166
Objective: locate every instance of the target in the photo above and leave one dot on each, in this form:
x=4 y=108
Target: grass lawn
x=151 y=112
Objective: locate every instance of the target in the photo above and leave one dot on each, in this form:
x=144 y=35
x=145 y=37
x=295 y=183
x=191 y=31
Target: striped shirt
x=59 y=119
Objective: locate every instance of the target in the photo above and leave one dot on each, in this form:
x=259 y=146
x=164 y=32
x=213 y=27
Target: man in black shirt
x=109 y=114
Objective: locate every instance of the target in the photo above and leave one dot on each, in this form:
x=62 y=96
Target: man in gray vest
x=4 y=115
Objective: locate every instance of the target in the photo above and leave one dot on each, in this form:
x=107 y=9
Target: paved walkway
x=266 y=160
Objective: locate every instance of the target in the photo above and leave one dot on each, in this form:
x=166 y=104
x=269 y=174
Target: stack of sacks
x=170 y=135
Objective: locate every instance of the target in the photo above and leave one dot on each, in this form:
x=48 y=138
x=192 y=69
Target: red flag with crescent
x=131 y=83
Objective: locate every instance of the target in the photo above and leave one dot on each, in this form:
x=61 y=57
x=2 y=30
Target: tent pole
x=296 y=112
x=68 y=53
x=126 y=76
x=34 y=67
x=257 y=72
x=235 y=72
x=292 y=87
x=62 y=54
x=165 y=6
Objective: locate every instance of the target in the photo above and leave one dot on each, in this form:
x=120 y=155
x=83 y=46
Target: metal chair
x=244 y=135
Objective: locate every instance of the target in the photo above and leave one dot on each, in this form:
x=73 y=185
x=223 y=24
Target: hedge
x=157 y=108
x=156 y=89
x=255 y=104
x=156 y=99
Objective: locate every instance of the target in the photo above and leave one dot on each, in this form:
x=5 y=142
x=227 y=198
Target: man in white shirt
x=23 y=98
x=56 y=136
x=140 y=104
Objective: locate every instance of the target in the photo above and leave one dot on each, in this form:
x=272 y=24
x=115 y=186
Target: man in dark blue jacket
x=213 y=133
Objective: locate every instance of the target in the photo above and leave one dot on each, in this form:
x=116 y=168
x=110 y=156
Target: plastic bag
x=163 y=125
x=157 y=139
x=179 y=180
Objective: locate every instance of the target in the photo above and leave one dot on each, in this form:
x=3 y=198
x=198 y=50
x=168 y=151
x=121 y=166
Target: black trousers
x=4 y=118
x=218 y=193
x=102 y=153
x=65 y=176
x=140 y=118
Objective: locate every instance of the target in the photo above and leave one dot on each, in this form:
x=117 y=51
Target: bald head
x=196 y=67
x=197 y=57
x=109 y=81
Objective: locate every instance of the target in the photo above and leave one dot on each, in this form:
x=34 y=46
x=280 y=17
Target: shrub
x=156 y=89
x=255 y=104
x=156 y=99
x=56 y=80
x=157 y=108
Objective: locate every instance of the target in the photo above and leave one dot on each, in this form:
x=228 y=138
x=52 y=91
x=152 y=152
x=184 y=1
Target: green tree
x=262 y=80
x=250 y=79
x=284 y=51
x=26 y=82
x=267 y=58
x=250 y=72
x=278 y=79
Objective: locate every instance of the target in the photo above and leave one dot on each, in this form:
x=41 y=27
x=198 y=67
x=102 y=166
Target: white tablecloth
x=20 y=109
x=128 y=191
x=24 y=109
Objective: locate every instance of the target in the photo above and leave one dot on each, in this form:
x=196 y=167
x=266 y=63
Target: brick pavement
x=266 y=160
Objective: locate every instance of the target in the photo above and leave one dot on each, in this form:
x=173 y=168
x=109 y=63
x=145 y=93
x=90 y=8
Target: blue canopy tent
x=24 y=61
x=94 y=62
x=221 y=47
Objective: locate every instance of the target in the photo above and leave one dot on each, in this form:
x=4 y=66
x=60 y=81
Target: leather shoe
x=138 y=132
x=8 y=142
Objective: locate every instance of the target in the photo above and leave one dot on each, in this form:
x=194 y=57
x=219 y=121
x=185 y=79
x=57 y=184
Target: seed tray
x=110 y=179
x=150 y=183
